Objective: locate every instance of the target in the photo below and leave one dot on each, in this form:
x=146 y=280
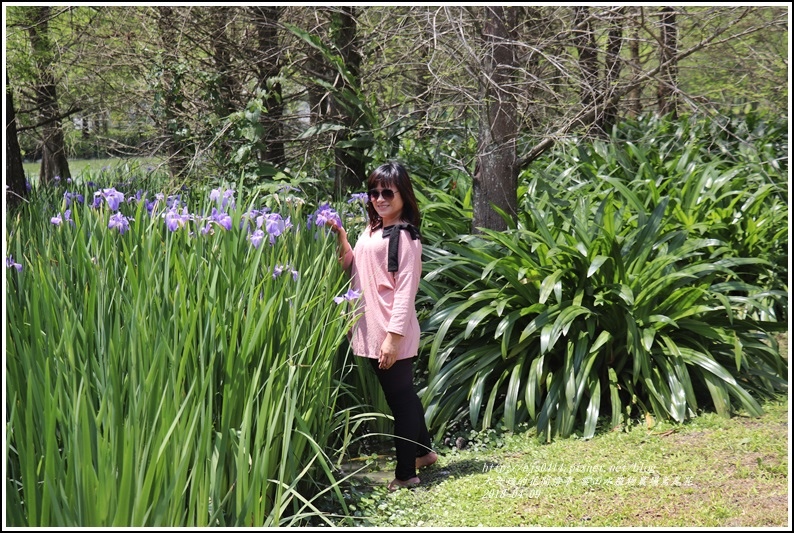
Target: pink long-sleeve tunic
x=387 y=298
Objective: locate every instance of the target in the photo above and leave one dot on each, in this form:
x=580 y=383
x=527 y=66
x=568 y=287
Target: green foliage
x=168 y=378
x=245 y=135
x=726 y=178
x=732 y=76
x=239 y=154
x=621 y=289
x=356 y=124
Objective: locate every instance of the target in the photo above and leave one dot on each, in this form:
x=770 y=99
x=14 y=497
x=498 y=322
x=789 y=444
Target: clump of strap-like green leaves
x=170 y=377
x=641 y=277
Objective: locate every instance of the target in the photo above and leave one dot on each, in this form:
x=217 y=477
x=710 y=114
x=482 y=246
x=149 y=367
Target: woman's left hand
x=389 y=350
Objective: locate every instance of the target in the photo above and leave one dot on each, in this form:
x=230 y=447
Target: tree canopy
x=317 y=94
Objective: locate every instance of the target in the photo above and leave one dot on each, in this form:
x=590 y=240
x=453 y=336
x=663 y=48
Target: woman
x=385 y=267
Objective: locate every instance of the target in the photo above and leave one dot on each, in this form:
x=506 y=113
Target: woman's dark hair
x=393 y=175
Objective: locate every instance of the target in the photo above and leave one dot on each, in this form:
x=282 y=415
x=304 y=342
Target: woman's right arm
x=345 y=250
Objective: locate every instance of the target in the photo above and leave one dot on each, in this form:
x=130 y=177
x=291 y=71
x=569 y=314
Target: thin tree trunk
x=612 y=66
x=15 y=172
x=588 y=59
x=85 y=128
x=350 y=171
x=495 y=178
x=634 y=101
x=221 y=55
x=269 y=66
x=53 y=150
x=422 y=88
x=319 y=96
x=173 y=104
x=665 y=95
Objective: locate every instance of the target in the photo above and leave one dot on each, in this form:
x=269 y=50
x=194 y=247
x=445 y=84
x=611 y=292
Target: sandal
x=396 y=484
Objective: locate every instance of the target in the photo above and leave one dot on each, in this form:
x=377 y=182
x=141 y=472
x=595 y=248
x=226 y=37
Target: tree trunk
x=218 y=18
x=53 y=149
x=350 y=171
x=612 y=66
x=319 y=97
x=85 y=128
x=268 y=67
x=634 y=101
x=588 y=59
x=15 y=173
x=666 y=100
x=171 y=93
x=495 y=178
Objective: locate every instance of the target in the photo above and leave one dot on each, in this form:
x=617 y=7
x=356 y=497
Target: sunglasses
x=388 y=194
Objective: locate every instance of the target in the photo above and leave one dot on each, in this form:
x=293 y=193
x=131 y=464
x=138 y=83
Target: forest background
x=316 y=95
x=525 y=128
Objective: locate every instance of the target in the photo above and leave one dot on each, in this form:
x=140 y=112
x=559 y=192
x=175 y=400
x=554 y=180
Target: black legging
x=411 y=438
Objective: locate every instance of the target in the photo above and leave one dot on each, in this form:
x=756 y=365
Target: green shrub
x=640 y=278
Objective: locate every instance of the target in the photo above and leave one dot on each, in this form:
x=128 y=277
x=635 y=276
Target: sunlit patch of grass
x=79 y=167
x=709 y=472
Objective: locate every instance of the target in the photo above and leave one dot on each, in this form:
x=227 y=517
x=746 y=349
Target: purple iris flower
x=117 y=220
x=256 y=238
x=275 y=225
x=10 y=263
x=228 y=199
x=349 y=296
x=279 y=269
x=69 y=196
x=227 y=195
x=224 y=220
x=323 y=214
x=114 y=199
x=174 y=201
x=174 y=220
x=245 y=220
x=362 y=197
x=59 y=218
x=111 y=196
x=251 y=218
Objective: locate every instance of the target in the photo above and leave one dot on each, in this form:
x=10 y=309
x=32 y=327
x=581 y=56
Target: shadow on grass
x=435 y=474
x=381 y=471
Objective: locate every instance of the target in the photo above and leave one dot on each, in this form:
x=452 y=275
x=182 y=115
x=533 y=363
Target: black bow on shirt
x=393 y=234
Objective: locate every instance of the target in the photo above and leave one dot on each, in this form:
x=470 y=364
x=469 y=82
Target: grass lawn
x=78 y=166
x=710 y=472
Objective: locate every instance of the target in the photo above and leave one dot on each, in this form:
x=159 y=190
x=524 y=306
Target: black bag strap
x=393 y=234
